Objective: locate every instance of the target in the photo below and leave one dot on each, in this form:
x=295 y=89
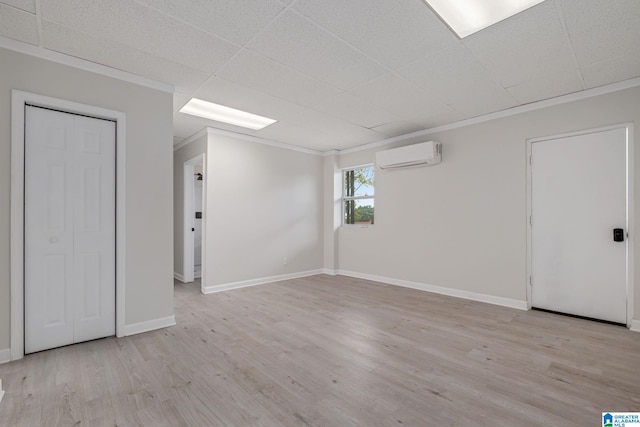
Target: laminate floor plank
x=333 y=351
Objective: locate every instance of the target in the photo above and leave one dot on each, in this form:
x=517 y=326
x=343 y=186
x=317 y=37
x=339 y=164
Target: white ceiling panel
x=185 y=125
x=396 y=95
x=356 y=111
x=615 y=70
x=233 y=95
x=546 y=87
x=262 y=74
x=26 y=5
x=18 y=24
x=142 y=28
x=393 y=32
x=293 y=41
x=602 y=30
x=397 y=128
x=339 y=73
x=436 y=118
x=294 y=134
x=237 y=21
x=459 y=80
x=179 y=99
x=115 y=55
x=322 y=132
x=531 y=45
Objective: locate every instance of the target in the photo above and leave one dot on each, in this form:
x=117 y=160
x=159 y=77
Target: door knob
x=618 y=235
x=53 y=239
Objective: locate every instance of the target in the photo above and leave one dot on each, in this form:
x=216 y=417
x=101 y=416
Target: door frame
x=188 y=249
x=19 y=99
x=630 y=204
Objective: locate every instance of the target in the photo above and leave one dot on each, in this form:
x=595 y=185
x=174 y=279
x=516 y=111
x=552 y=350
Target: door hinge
x=530 y=219
x=531 y=159
x=530 y=280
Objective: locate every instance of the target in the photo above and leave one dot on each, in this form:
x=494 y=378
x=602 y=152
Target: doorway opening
x=194 y=227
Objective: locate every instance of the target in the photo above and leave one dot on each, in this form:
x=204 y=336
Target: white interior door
x=69 y=228
x=579 y=195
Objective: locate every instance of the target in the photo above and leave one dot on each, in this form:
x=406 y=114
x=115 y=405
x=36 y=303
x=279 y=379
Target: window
x=357 y=196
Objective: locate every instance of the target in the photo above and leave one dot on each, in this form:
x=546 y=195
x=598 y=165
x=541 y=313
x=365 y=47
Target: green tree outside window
x=358 y=196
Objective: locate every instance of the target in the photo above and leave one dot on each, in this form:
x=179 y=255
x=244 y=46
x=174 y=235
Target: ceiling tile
x=115 y=55
x=459 y=80
x=397 y=128
x=527 y=46
x=615 y=70
x=602 y=30
x=293 y=41
x=18 y=25
x=237 y=21
x=436 y=118
x=247 y=99
x=142 y=28
x=546 y=87
x=355 y=110
x=185 y=125
x=26 y=5
x=390 y=31
x=262 y=74
x=396 y=95
x=319 y=131
x=179 y=100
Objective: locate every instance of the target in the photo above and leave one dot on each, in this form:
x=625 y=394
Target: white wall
x=149 y=284
x=264 y=203
x=462 y=224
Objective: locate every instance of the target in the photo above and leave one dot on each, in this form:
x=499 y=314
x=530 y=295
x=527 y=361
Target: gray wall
x=462 y=224
x=149 y=284
x=264 y=203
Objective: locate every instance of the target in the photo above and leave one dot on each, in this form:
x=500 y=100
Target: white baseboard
x=5 y=355
x=635 y=325
x=178 y=276
x=458 y=293
x=261 y=281
x=330 y=272
x=149 y=325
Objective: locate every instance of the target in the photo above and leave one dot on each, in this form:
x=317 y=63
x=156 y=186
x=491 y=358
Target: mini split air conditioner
x=422 y=154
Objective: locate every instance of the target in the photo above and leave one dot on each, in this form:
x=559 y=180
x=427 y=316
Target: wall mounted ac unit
x=422 y=154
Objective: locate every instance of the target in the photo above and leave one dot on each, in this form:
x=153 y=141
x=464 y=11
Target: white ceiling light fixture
x=220 y=113
x=466 y=17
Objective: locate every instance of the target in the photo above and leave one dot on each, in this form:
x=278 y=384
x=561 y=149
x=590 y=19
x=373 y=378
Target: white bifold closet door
x=69 y=228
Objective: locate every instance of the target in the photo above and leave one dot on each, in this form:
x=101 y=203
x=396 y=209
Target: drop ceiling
x=337 y=74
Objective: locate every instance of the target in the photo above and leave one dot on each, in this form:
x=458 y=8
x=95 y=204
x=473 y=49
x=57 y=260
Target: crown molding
x=546 y=103
x=263 y=141
x=202 y=132
x=250 y=138
x=72 y=61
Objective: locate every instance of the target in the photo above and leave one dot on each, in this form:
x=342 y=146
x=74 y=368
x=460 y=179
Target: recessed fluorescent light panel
x=220 y=113
x=466 y=17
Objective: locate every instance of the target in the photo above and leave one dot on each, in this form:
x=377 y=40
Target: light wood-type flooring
x=333 y=351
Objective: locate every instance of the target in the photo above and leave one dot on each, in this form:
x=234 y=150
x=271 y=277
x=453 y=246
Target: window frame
x=344 y=198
